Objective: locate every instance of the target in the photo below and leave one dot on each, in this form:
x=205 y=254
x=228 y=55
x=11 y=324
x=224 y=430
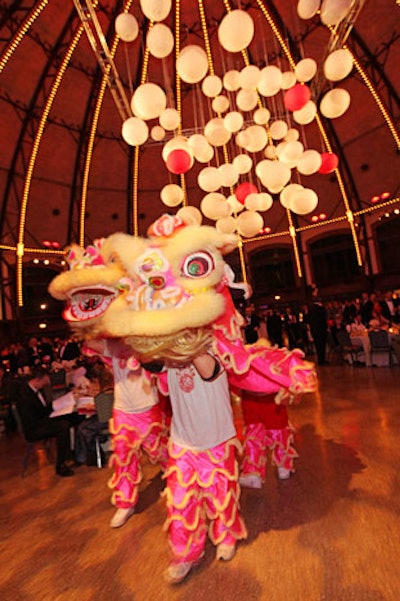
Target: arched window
x=334 y=260
x=388 y=243
x=272 y=270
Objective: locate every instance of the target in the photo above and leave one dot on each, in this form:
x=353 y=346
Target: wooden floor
x=330 y=533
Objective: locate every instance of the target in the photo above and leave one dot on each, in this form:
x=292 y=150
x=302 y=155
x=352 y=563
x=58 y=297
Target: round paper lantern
x=274 y=175
x=296 y=97
x=160 y=41
x=270 y=81
x=243 y=190
x=172 y=195
x=270 y=151
x=215 y=132
x=192 y=64
x=226 y=225
x=285 y=195
x=229 y=175
x=220 y=104
x=288 y=80
x=306 y=114
x=242 y=163
x=246 y=100
x=291 y=152
x=309 y=162
x=261 y=116
x=127 y=27
x=305 y=69
x=233 y=121
x=135 y=131
x=257 y=138
x=190 y=215
x=178 y=161
x=292 y=135
x=242 y=139
x=236 y=31
x=258 y=202
x=234 y=204
x=334 y=11
x=249 y=77
x=303 y=201
x=156 y=10
x=170 y=119
x=329 y=162
x=148 y=101
x=338 y=65
x=211 y=86
x=306 y=9
x=231 y=80
x=214 y=206
x=335 y=103
x=249 y=223
x=202 y=150
x=278 y=129
x=209 y=179
x=157 y=133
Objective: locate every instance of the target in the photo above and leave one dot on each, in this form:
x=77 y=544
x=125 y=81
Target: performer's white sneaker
x=284 y=474
x=121 y=516
x=225 y=552
x=250 y=481
x=176 y=572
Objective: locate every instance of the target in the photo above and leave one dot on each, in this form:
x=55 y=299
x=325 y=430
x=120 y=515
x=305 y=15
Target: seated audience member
x=34 y=411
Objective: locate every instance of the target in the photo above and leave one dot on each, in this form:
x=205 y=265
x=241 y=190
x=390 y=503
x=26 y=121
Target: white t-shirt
x=202 y=414
x=132 y=392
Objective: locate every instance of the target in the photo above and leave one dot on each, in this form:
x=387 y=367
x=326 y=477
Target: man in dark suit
x=34 y=412
x=318 y=322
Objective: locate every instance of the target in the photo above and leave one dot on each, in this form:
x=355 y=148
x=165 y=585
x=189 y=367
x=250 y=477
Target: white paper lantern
x=135 y=131
x=214 y=206
x=249 y=223
x=334 y=11
x=127 y=27
x=156 y=10
x=236 y=31
x=249 y=77
x=335 y=103
x=231 y=80
x=305 y=69
x=160 y=41
x=170 y=119
x=242 y=163
x=306 y=114
x=292 y=135
x=338 y=65
x=176 y=143
x=278 y=129
x=234 y=205
x=261 y=116
x=303 y=201
x=270 y=81
x=273 y=175
x=291 y=153
x=148 y=101
x=172 y=195
x=288 y=80
x=229 y=175
x=257 y=138
x=226 y=225
x=157 y=133
x=220 y=104
x=306 y=9
x=211 y=86
x=258 y=202
x=233 y=121
x=242 y=139
x=285 y=195
x=246 y=100
x=309 y=162
x=203 y=152
x=192 y=64
x=190 y=215
x=209 y=179
x=215 y=132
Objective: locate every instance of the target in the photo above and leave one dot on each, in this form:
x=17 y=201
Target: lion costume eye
x=198 y=265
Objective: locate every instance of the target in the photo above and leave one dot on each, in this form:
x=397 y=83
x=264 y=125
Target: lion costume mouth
x=88 y=303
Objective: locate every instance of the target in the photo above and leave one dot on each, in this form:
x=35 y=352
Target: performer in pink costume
x=202 y=475
x=267 y=426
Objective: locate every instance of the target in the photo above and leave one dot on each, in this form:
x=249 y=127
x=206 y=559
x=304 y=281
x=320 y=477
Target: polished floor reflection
x=330 y=533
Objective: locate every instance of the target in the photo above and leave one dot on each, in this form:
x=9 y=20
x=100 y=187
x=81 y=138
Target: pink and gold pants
x=202 y=486
x=132 y=433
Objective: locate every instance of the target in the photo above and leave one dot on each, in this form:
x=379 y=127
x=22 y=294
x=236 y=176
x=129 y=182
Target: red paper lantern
x=243 y=190
x=178 y=161
x=329 y=162
x=296 y=97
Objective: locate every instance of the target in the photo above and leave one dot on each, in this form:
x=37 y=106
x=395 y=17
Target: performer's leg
x=253 y=467
x=155 y=436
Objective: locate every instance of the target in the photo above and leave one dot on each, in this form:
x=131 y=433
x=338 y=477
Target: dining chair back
x=347 y=347
x=104 y=405
x=380 y=343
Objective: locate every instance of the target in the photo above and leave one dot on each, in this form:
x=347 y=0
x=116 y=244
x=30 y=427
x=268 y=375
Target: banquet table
x=380 y=359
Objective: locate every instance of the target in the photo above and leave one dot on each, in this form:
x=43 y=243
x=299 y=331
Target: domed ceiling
x=67 y=81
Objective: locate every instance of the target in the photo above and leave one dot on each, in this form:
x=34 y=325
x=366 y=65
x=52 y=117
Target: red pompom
x=178 y=161
x=296 y=97
x=243 y=190
x=329 y=162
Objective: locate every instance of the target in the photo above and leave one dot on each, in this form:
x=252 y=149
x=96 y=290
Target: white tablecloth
x=379 y=359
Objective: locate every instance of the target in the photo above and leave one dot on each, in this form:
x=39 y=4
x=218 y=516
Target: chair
x=104 y=404
x=30 y=446
x=380 y=343
x=347 y=347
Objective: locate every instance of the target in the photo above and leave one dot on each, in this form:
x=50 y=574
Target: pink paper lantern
x=296 y=97
x=329 y=162
x=178 y=161
x=243 y=190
